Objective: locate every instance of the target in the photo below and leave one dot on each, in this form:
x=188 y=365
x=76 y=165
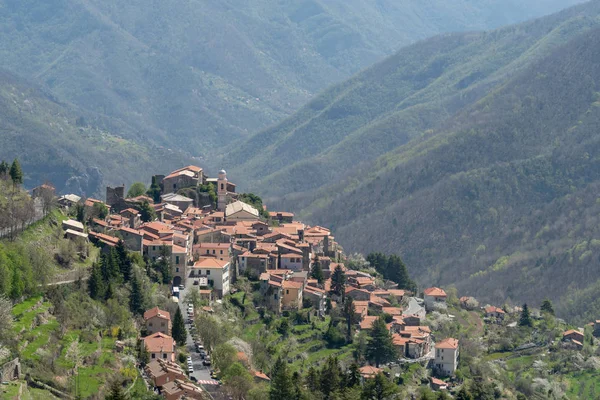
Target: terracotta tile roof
x=211 y=263
x=435 y=291
x=159 y=342
x=260 y=375
x=156 y=312
x=572 y=331
x=397 y=292
x=292 y=285
x=449 y=343
x=392 y=310
x=399 y=340
x=494 y=309
x=369 y=371
x=368 y=321
x=133 y=231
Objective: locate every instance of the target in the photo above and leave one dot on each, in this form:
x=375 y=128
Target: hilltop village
x=248 y=286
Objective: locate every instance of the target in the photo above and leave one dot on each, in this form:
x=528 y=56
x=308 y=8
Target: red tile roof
x=449 y=343
x=156 y=312
x=435 y=291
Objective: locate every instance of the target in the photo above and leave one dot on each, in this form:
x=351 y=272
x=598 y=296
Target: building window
x=153 y=355
x=165 y=356
x=177 y=269
x=221 y=251
x=214 y=251
x=176 y=259
x=222 y=186
x=150 y=324
x=153 y=248
x=287 y=291
x=208 y=272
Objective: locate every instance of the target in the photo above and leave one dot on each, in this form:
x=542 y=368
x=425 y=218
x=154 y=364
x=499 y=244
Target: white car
x=190 y=369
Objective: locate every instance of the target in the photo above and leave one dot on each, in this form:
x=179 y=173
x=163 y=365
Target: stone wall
x=10 y=371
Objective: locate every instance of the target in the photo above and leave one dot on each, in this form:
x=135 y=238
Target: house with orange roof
x=260 y=376
x=317 y=298
x=184 y=177
x=357 y=294
x=434 y=297
x=369 y=371
x=217 y=273
x=133 y=239
x=253 y=263
x=216 y=250
x=180 y=389
x=446 y=356
x=367 y=323
x=162 y=372
x=573 y=335
x=438 y=384
x=494 y=312
x=292 y=295
x=160 y=347
x=157 y=320
x=281 y=216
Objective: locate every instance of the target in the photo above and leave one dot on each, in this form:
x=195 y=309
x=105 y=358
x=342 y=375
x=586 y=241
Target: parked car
x=206 y=361
x=202 y=353
x=181 y=287
x=190 y=369
x=193 y=379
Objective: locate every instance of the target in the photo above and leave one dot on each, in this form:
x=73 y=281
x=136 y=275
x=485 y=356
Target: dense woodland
x=496 y=195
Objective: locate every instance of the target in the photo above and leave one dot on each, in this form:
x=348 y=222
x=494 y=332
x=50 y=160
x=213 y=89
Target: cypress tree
x=136 y=299
x=353 y=375
x=281 y=381
x=317 y=272
x=349 y=312
x=525 y=319
x=338 y=282
x=116 y=392
x=380 y=348
x=312 y=380
x=178 y=332
x=96 y=283
x=123 y=260
x=16 y=174
x=331 y=377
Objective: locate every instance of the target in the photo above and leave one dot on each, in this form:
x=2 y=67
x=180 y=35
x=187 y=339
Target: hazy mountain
x=76 y=150
x=474 y=155
x=197 y=74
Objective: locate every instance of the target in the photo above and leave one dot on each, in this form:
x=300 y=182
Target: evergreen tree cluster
x=111 y=272
x=392 y=267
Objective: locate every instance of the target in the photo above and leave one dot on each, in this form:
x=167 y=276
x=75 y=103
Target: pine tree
x=317 y=272
x=178 y=331
x=525 y=319
x=380 y=348
x=136 y=299
x=353 y=375
x=16 y=174
x=281 y=381
x=331 y=377
x=116 y=392
x=96 y=285
x=4 y=169
x=123 y=260
x=312 y=379
x=338 y=282
x=379 y=388
x=547 y=307
x=463 y=394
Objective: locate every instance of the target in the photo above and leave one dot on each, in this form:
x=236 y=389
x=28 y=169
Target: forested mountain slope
x=195 y=75
x=473 y=155
x=76 y=150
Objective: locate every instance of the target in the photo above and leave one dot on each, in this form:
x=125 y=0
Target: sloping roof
x=435 y=291
x=368 y=371
x=159 y=342
x=291 y=285
x=238 y=206
x=74 y=223
x=156 y=312
x=211 y=263
x=494 y=309
x=449 y=343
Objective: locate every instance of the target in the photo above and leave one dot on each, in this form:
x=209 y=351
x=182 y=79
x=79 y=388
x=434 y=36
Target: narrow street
x=201 y=372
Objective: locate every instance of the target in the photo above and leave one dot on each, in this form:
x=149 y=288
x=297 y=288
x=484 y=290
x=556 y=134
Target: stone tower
x=222 y=190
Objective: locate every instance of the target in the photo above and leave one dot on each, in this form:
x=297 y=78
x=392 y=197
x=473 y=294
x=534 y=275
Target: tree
x=243 y=284
x=6 y=319
x=547 y=307
x=178 y=331
x=378 y=388
x=237 y=381
x=463 y=394
x=312 y=380
x=353 y=375
x=80 y=212
x=349 y=312
x=116 y=392
x=147 y=213
x=525 y=319
x=380 y=348
x=164 y=264
x=4 y=169
x=16 y=174
x=123 y=260
x=154 y=190
x=317 y=272
x=136 y=189
x=331 y=377
x=338 y=282
x=281 y=381
x=223 y=356
x=136 y=299
x=96 y=285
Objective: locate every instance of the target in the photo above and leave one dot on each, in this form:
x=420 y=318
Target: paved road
x=201 y=372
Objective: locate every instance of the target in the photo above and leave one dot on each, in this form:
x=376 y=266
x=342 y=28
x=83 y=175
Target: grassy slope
x=198 y=74
x=42 y=132
x=497 y=196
